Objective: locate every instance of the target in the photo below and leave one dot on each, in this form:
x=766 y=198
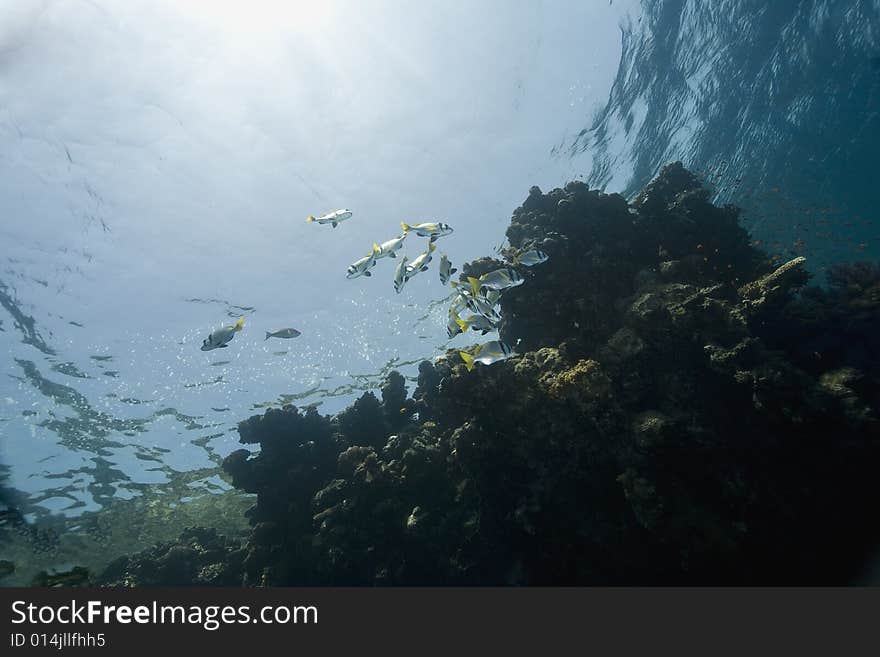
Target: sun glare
x=256 y=19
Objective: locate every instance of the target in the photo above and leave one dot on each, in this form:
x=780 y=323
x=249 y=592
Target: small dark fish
x=285 y=333
x=446 y=269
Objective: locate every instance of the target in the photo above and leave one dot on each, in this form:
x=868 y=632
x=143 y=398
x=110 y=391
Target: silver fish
x=221 y=337
x=459 y=302
x=446 y=269
x=532 y=258
x=331 y=217
x=493 y=297
x=400 y=277
x=500 y=279
x=465 y=291
x=488 y=353
x=474 y=300
x=432 y=230
x=362 y=267
x=421 y=261
x=480 y=306
x=285 y=333
x=479 y=323
x=454 y=325
x=389 y=249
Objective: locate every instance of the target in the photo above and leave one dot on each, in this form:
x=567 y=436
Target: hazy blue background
x=157 y=161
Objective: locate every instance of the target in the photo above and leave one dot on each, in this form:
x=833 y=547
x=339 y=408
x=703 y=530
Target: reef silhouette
x=684 y=410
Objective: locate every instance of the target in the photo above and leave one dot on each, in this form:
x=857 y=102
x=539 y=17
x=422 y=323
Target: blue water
x=157 y=165
x=776 y=104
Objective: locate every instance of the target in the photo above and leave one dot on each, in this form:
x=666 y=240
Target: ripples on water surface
x=777 y=104
x=126 y=240
x=141 y=423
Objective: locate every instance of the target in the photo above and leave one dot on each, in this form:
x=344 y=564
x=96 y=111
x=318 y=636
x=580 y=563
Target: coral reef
x=6 y=568
x=683 y=410
x=93 y=539
x=199 y=557
x=74 y=578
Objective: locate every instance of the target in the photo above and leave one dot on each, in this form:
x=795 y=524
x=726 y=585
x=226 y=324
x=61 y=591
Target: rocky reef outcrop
x=683 y=410
x=199 y=557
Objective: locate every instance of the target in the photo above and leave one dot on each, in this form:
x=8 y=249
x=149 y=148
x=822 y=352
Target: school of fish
x=479 y=296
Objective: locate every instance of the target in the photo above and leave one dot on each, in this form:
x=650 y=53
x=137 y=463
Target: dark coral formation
x=603 y=250
x=682 y=411
x=200 y=557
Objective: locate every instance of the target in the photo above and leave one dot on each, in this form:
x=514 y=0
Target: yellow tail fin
x=310 y=218
x=468 y=360
x=463 y=325
x=431 y=247
x=405 y=226
x=475 y=285
x=376 y=249
x=239 y=323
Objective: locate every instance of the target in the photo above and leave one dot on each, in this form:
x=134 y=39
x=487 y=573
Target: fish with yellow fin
x=478 y=323
x=363 y=266
x=531 y=258
x=499 y=279
x=487 y=354
x=454 y=325
x=390 y=248
x=457 y=325
x=475 y=301
x=429 y=229
x=420 y=263
x=221 y=337
x=332 y=218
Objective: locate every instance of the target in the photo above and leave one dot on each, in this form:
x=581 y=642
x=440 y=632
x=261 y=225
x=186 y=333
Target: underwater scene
x=452 y=293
